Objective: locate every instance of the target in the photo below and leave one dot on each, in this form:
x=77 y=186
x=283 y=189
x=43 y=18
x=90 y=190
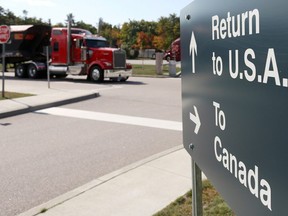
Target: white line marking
x=122 y=119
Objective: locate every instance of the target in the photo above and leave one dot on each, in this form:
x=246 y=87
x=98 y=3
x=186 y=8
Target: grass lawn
x=11 y=95
x=213 y=204
x=150 y=70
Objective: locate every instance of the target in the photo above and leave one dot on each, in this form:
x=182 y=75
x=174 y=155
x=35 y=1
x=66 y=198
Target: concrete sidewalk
x=141 y=189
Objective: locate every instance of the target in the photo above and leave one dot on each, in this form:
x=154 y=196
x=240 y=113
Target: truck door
x=77 y=43
x=59 y=47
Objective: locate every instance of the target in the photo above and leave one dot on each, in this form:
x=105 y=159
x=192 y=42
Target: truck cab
x=86 y=54
x=174 y=51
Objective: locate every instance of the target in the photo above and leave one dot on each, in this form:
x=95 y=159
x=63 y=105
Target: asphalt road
x=43 y=155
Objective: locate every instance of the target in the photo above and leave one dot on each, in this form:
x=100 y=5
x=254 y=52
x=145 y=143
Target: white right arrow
x=196 y=119
x=193 y=50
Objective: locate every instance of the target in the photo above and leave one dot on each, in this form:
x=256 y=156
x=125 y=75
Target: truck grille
x=119 y=59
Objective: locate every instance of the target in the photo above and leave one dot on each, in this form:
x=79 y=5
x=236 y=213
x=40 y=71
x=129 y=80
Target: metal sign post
x=47 y=63
x=3 y=70
x=4 y=38
x=197 y=207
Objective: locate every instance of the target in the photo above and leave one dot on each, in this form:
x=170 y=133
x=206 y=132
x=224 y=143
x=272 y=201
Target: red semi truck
x=174 y=51
x=71 y=51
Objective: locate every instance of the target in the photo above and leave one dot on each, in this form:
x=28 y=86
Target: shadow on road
x=73 y=79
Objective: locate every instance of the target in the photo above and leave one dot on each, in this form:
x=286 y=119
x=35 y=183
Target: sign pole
x=197 y=208
x=4 y=38
x=48 y=72
x=3 y=70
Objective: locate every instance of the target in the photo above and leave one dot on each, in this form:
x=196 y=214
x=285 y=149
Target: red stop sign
x=4 y=34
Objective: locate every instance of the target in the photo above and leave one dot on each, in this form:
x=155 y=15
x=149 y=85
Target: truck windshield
x=96 y=43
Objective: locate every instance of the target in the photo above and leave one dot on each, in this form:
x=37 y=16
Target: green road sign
x=235 y=99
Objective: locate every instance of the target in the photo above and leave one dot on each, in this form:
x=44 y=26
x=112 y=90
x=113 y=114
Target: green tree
x=168 y=29
x=143 y=34
x=144 y=40
x=111 y=33
x=59 y=25
x=83 y=25
x=7 y=17
x=130 y=32
x=70 y=18
x=100 y=24
x=25 y=13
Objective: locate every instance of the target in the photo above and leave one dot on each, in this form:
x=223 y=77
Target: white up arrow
x=193 y=50
x=196 y=119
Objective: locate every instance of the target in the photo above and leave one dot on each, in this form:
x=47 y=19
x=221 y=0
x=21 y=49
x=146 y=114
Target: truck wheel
x=96 y=74
x=20 y=71
x=32 y=71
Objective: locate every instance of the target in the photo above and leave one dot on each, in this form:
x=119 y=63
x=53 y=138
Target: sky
x=114 y=12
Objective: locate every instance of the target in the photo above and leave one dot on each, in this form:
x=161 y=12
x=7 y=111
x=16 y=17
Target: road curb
x=38 y=210
x=32 y=108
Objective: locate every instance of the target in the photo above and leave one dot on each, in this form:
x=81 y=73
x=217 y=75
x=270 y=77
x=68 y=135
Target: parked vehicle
x=174 y=51
x=147 y=53
x=73 y=51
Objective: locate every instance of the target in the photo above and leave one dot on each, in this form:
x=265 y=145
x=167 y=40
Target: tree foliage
x=145 y=35
x=138 y=34
x=111 y=33
x=7 y=17
x=83 y=25
x=131 y=35
x=168 y=29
